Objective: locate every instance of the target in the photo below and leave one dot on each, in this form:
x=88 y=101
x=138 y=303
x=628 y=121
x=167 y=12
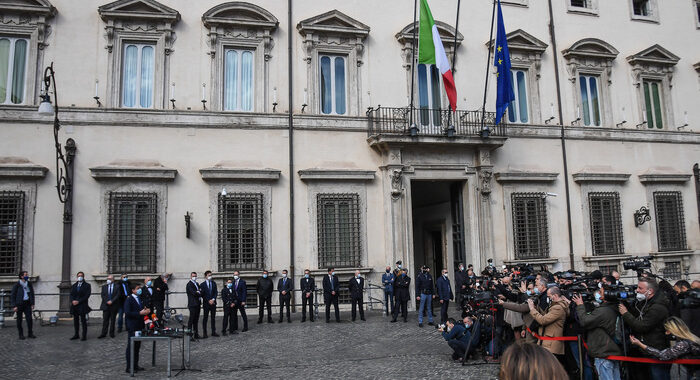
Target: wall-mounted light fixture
x=641 y=216
x=188 y=218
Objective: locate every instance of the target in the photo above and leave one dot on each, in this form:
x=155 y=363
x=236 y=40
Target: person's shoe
x=234 y=332
x=312 y=320
x=303 y=320
x=337 y=320
x=328 y=320
x=205 y=336
x=196 y=336
x=111 y=335
x=420 y=325
x=271 y=321
x=101 y=336
x=32 y=336
x=119 y=330
x=405 y=320
x=353 y=319
x=259 y=321
x=21 y=337
x=137 y=368
x=363 y=318
x=431 y=323
x=214 y=334
x=280 y=321
x=128 y=370
x=393 y=320
x=244 y=329
x=289 y=321
x=74 y=337
x=225 y=333
x=83 y=338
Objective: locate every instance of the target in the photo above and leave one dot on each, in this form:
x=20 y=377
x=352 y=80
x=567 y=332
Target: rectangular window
x=607 y=269
x=590 y=102
x=606 y=224
x=517 y=111
x=332 y=84
x=580 y=3
x=697 y=13
x=138 y=75
x=652 y=103
x=13 y=69
x=11 y=231
x=530 y=232
x=672 y=270
x=241 y=232
x=338 y=219
x=641 y=7
x=670 y=226
x=132 y=232
x=238 y=80
x=429 y=94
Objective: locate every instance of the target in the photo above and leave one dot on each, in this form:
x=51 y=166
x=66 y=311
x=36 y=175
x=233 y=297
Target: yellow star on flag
x=500 y=61
x=499 y=49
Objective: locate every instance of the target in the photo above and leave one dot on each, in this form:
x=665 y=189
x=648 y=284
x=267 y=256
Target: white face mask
x=109 y=282
x=284 y=275
x=235 y=277
x=209 y=278
x=194 y=278
x=80 y=279
x=641 y=296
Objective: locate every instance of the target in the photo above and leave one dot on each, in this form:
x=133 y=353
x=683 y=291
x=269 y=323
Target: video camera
x=638 y=264
x=690 y=299
x=620 y=293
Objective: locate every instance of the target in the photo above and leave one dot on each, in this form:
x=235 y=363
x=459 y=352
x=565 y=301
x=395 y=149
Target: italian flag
x=431 y=51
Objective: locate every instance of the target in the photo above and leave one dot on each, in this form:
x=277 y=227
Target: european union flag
x=504 y=80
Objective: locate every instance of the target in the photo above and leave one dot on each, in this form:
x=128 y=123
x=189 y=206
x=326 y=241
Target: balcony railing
x=432 y=122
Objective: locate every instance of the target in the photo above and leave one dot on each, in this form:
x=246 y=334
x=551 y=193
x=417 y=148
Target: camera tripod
x=478 y=324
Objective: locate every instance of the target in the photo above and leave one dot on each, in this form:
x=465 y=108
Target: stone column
x=485 y=171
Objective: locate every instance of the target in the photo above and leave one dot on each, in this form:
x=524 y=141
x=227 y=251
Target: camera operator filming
x=460 y=337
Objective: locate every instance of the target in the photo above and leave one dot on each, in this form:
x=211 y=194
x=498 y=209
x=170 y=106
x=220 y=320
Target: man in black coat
x=109 y=306
x=331 y=286
x=79 y=296
x=22 y=303
x=285 y=287
x=444 y=293
x=307 y=286
x=134 y=310
x=160 y=285
x=124 y=292
x=147 y=292
x=240 y=294
x=461 y=283
x=209 y=293
x=194 y=304
x=356 y=285
x=227 y=298
x=264 y=288
x=402 y=295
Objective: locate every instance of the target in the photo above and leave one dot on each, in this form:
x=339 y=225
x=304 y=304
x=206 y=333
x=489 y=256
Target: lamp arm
x=63 y=183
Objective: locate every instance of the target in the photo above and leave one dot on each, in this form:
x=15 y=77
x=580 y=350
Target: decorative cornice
x=520 y=40
x=526 y=177
x=600 y=177
x=336 y=175
x=333 y=22
x=219 y=173
x=590 y=48
x=18 y=167
x=664 y=178
x=145 y=171
x=240 y=19
x=446 y=31
x=136 y=10
x=654 y=55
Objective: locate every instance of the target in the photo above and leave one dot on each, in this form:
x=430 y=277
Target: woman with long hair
x=687 y=345
x=527 y=361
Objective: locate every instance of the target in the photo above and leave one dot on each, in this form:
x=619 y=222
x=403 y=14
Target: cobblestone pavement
x=374 y=349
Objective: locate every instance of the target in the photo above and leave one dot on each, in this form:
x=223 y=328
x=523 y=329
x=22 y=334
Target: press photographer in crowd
x=461 y=336
x=689 y=305
x=521 y=306
x=551 y=321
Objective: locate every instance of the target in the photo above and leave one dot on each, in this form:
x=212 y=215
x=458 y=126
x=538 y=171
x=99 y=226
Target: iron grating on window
x=338 y=219
x=530 y=231
x=672 y=270
x=607 y=269
x=132 y=232
x=670 y=225
x=11 y=231
x=606 y=223
x=241 y=232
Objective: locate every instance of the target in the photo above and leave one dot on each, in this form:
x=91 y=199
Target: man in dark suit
x=402 y=295
x=22 y=303
x=227 y=297
x=79 y=296
x=125 y=291
x=264 y=288
x=307 y=286
x=240 y=291
x=134 y=310
x=194 y=304
x=284 y=287
x=147 y=293
x=444 y=292
x=357 y=287
x=209 y=293
x=109 y=306
x=160 y=285
x=331 y=286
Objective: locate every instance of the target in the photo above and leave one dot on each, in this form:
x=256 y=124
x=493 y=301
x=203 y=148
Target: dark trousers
x=307 y=302
x=284 y=304
x=228 y=318
x=137 y=349
x=193 y=320
x=389 y=300
x=401 y=305
x=77 y=320
x=358 y=302
x=236 y=309
x=261 y=306
x=109 y=316
x=24 y=309
x=443 y=310
x=209 y=310
x=328 y=300
x=120 y=316
x=159 y=306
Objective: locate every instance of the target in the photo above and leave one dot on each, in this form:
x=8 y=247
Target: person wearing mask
x=687 y=345
x=109 y=306
x=551 y=320
x=134 y=310
x=460 y=337
x=645 y=319
x=616 y=275
x=125 y=292
x=331 y=286
x=285 y=287
x=79 y=296
x=356 y=286
x=227 y=297
x=22 y=303
x=147 y=292
x=194 y=304
x=689 y=311
x=160 y=285
x=600 y=325
x=307 y=286
x=521 y=306
x=264 y=288
x=240 y=291
x=444 y=293
x=461 y=283
x=209 y=293
x=402 y=295
x=388 y=283
x=424 y=294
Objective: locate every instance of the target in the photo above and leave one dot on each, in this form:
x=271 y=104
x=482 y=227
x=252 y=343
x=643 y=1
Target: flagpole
x=413 y=59
x=488 y=64
x=454 y=52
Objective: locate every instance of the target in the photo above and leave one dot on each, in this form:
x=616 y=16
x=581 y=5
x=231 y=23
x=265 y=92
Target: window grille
x=530 y=231
x=241 y=234
x=11 y=231
x=132 y=232
x=607 y=269
x=338 y=219
x=672 y=270
x=670 y=225
x=606 y=224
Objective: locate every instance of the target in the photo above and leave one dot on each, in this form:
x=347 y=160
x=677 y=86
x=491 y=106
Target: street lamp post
x=64 y=184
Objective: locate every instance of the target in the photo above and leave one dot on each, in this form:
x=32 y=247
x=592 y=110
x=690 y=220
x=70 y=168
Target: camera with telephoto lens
x=620 y=293
x=638 y=264
x=690 y=299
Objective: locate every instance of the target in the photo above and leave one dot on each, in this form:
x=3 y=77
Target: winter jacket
x=646 y=318
x=552 y=325
x=600 y=329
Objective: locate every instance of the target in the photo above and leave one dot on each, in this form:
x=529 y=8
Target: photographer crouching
x=461 y=336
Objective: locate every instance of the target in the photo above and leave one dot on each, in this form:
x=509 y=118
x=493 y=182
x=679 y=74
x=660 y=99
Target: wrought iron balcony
x=432 y=123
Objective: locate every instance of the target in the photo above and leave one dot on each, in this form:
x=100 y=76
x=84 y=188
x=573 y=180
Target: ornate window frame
x=240 y=25
x=591 y=56
x=334 y=33
x=654 y=63
x=139 y=21
x=653 y=10
x=30 y=20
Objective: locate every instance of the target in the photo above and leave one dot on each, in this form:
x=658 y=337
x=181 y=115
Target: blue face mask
x=25 y=278
x=537 y=290
x=264 y=276
x=229 y=285
x=529 y=292
x=138 y=292
x=306 y=275
x=597 y=297
x=149 y=283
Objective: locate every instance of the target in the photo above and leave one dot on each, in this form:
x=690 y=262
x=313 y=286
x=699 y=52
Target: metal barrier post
x=579 y=342
x=2 y=308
